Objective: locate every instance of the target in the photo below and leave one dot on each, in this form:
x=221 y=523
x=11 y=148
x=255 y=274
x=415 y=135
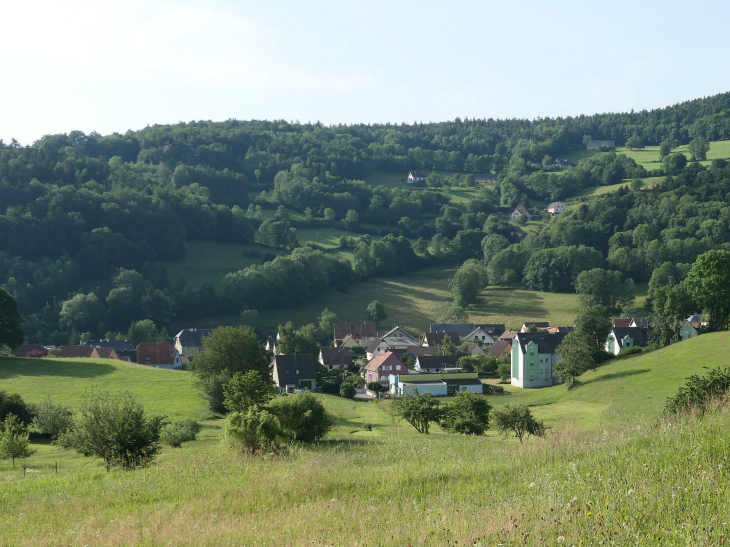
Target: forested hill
x=76 y=208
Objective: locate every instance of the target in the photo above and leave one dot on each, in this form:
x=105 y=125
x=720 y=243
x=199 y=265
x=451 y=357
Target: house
x=415 y=352
x=382 y=365
x=436 y=363
x=416 y=176
x=360 y=333
x=31 y=350
x=480 y=336
x=516 y=231
x=76 y=352
x=188 y=342
x=519 y=212
x=129 y=355
x=597 y=145
x=533 y=356
x=462 y=329
x=555 y=208
x=687 y=330
x=539 y=325
x=500 y=349
x=437 y=338
x=623 y=322
x=438 y=385
x=270 y=344
x=295 y=371
x=159 y=355
x=641 y=322
x=398 y=338
x=376 y=347
x=473 y=348
x=117 y=345
x=563 y=164
x=104 y=353
x=695 y=320
x=335 y=357
x=485 y=178
x=508 y=335
x=626 y=337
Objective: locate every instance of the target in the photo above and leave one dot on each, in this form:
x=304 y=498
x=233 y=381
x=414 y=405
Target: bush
x=256 y=429
x=54 y=352
x=504 y=371
x=468 y=413
x=518 y=420
x=247 y=390
x=348 y=391
x=116 y=429
x=36 y=353
x=213 y=391
x=630 y=351
x=699 y=391
x=180 y=432
x=50 y=419
x=12 y=403
x=303 y=417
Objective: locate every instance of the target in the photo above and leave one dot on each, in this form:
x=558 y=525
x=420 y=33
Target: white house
x=398 y=338
x=438 y=385
x=533 y=356
x=555 y=208
x=479 y=335
x=626 y=337
x=416 y=176
x=376 y=347
x=520 y=211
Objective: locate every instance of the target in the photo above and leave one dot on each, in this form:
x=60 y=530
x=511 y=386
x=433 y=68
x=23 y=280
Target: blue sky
x=106 y=66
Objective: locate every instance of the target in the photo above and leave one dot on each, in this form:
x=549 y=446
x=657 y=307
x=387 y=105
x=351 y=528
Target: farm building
x=416 y=176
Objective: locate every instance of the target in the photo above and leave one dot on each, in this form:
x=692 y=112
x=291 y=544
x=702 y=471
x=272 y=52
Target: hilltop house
x=382 y=365
x=335 y=357
x=485 y=178
x=626 y=337
x=437 y=338
x=519 y=212
x=539 y=325
x=159 y=355
x=399 y=338
x=555 y=208
x=416 y=176
x=597 y=145
x=436 y=363
x=359 y=333
x=294 y=371
x=533 y=356
x=76 y=352
x=188 y=342
x=438 y=385
x=31 y=350
x=500 y=349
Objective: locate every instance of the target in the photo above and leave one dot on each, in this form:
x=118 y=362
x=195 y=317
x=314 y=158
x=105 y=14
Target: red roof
x=381 y=359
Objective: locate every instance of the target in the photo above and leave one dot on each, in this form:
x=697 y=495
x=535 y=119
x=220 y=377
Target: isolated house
x=159 y=355
x=188 y=342
x=520 y=211
x=695 y=320
x=597 y=145
x=533 y=356
x=436 y=363
x=104 y=353
x=360 y=333
x=555 y=208
x=626 y=337
x=500 y=349
x=438 y=385
x=416 y=176
x=539 y=325
x=295 y=371
x=485 y=178
x=382 y=365
x=399 y=338
x=335 y=357
x=76 y=352
x=31 y=350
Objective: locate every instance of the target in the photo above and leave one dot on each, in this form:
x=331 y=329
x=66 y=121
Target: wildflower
x=631 y=491
x=561 y=539
x=532 y=485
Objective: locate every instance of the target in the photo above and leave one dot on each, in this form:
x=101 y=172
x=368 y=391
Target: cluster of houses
x=555 y=208
x=165 y=354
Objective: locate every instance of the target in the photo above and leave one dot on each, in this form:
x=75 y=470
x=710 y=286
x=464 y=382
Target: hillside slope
x=67 y=380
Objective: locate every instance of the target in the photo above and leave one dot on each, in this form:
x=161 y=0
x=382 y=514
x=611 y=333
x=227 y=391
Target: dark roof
x=462 y=329
x=301 y=366
x=437 y=361
x=516 y=229
x=498 y=347
x=117 y=345
x=130 y=353
x=642 y=322
x=159 y=353
x=547 y=342
x=495 y=329
x=335 y=356
x=637 y=334
x=418 y=174
x=76 y=351
x=418 y=351
x=437 y=338
x=192 y=337
x=538 y=324
x=357 y=330
x=566 y=329
x=374 y=345
x=25 y=349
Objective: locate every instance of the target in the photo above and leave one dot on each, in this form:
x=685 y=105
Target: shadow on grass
x=12 y=367
x=616 y=375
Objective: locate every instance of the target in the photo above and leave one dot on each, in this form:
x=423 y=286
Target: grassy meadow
x=612 y=471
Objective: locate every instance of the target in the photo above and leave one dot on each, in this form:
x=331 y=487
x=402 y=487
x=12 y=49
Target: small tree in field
x=256 y=429
x=518 y=420
x=468 y=413
x=51 y=419
x=504 y=370
x=247 y=390
x=418 y=410
x=14 y=441
x=376 y=312
x=180 y=432
x=303 y=417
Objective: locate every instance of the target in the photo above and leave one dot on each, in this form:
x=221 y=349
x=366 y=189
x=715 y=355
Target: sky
x=111 y=65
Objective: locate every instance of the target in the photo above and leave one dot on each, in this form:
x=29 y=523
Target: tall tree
x=708 y=283
x=576 y=356
x=327 y=321
x=228 y=350
x=670 y=305
x=303 y=340
x=11 y=329
x=698 y=147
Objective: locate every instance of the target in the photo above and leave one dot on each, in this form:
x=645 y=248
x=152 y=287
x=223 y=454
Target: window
x=147 y=358
x=286 y=371
x=397 y=367
x=297 y=371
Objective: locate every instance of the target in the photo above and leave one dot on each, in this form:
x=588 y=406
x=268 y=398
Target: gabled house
x=480 y=336
x=376 y=347
x=462 y=329
x=270 y=344
x=485 y=178
x=520 y=211
x=295 y=371
x=473 y=348
x=399 y=338
x=500 y=349
x=348 y=342
x=383 y=365
x=508 y=335
x=695 y=320
x=188 y=342
x=335 y=357
x=437 y=384
x=417 y=351
x=436 y=363
x=117 y=345
x=539 y=325
x=533 y=356
x=437 y=338
x=76 y=352
x=360 y=333
x=622 y=322
x=416 y=176
x=104 y=353
x=687 y=330
x=555 y=208
x=159 y=355
x=626 y=337
x=641 y=322
x=31 y=350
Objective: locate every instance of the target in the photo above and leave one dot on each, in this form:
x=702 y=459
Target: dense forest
x=87 y=221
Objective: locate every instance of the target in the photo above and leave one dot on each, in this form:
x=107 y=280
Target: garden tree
x=11 y=330
x=519 y=420
x=453 y=313
x=303 y=340
x=507 y=266
x=576 y=356
x=303 y=417
x=84 y=312
x=376 y=387
x=434 y=180
x=698 y=147
x=468 y=413
x=257 y=429
x=418 y=410
x=674 y=163
x=116 y=429
x=708 y=284
x=327 y=321
x=246 y=390
x=634 y=142
x=410 y=362
x=14 y=437
x=665 y=148
x=595 y=323
x=447 y=347
x=12 y=403
x=179 y=432
x=142 y=331
x=605 y=288
x=51 y=419
x=670 y=306
x=504 y=371
x=467 y=282
x=376 y=312
x=483 y=364
x=348 y=390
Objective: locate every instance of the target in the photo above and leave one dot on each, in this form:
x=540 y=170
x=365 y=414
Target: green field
x=610 y=472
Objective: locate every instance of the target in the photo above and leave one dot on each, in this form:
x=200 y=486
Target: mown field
x=628 y=477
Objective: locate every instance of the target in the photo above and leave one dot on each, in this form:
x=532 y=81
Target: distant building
x=533 y=356
x=31 y=350
x=335 y=357
x=435 y=363
x=555 y=208
x=438 y=385
x=416 y=176
x=597 y=145
x=118 y=345
x=188 y=342
x=360 y=333
x=295 y=371
x=383 y=365
x=159 y=355
x=520 y=211
x=399 y=338
x=376 y=347
x=76 y=352
x=626 y=337
x=539 y=325
x=104 y=353
x=485 y=178
x=563 y=164
x=500 y=349
x=437 y=338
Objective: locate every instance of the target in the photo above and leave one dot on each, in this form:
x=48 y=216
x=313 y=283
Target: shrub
x=348 y=390
x=518 y=420
x=630 y=351
x=247 y=390
x=116 y=429
x=213 y=391
x=468 y=413
x=504 y=371
x=12 y=403
x=180 y=432
x=303 y=417
x=50 y=419
x=256 y=429
x=699 y=391
x=54 y=352
x=418 y=410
